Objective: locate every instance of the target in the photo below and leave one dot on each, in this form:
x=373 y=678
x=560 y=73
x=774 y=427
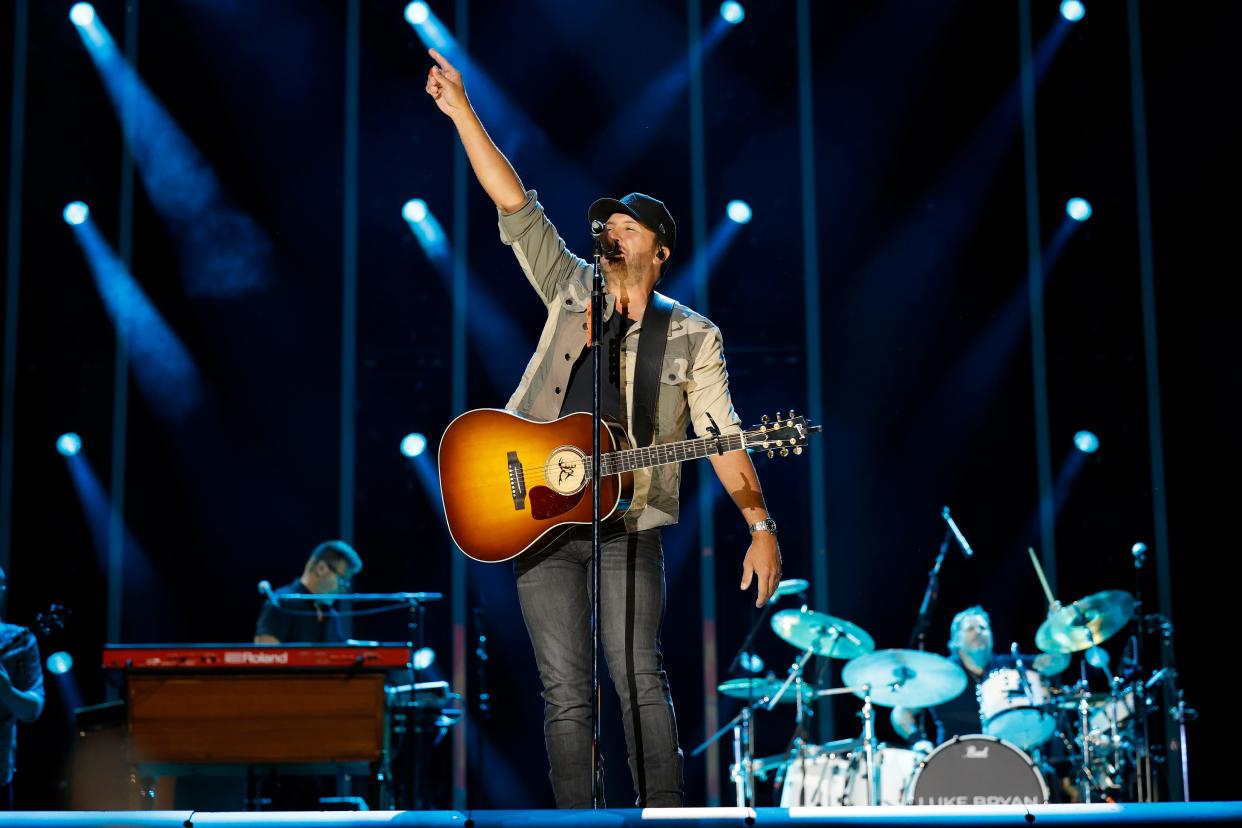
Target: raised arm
x=495 y=173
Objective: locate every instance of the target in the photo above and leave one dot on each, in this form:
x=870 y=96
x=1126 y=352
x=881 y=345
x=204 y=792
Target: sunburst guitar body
x=512 y=485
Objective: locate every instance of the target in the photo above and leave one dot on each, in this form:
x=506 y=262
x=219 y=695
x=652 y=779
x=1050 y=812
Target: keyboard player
x=330 y=570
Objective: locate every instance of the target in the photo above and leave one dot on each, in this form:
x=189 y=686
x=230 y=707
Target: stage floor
x=1194 y=813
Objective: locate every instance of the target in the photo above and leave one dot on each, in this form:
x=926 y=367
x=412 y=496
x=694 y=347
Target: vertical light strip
x=458 y=576
x=12 y=277
x=349 y=277
x=1035 y=283
x=814 y=338
x=707 y=482
x=1151 y=359
x=120 y=378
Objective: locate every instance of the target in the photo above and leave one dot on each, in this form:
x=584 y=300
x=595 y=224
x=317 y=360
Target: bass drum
x=978 y=770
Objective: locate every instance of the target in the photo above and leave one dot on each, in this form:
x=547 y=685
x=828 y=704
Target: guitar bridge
x=517 y=482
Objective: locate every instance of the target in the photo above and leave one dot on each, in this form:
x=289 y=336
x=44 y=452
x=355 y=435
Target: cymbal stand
x=1143 y=778
x=743 y=750
x=1086 y=780
x=795 y=678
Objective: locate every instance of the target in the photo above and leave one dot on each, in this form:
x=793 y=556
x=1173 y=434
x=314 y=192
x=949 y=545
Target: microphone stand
x=593 y=342
x=919 y=635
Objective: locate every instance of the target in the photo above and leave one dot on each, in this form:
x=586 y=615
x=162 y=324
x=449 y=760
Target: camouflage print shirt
x=693 y=381
x=19 y=653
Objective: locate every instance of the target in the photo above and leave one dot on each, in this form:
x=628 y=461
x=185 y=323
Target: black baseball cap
x=649 y=212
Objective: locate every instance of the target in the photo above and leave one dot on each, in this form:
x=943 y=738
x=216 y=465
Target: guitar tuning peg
x=771 y=454
x=798 y=450
x=763 y=428
x=791 y=413
x=793 y=441
x=784 y=452
x=764 y=419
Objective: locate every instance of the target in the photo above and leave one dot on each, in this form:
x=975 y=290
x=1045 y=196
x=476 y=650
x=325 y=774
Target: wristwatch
x=766 y=525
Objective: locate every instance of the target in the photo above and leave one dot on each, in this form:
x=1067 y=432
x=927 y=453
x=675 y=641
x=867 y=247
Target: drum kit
x=1029 y=723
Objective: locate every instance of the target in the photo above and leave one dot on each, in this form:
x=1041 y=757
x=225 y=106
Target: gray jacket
x=693 y=382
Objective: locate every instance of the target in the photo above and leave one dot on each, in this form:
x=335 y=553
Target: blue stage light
x=68 y=444
x=1079 y=209
x=82 y=14
x=417 y=13
x=738 y=211
x=413 y=444
x=424 y=658
x=76 y=212
x=59 y=663
x=1072 y=10
x=415 y=210
x=1086 y=442
x=732 y=12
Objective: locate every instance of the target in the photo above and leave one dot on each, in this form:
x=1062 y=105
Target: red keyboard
x=189 y=657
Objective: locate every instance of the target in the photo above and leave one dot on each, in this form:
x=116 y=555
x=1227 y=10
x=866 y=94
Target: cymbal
x=910 y=678
x=823 y=634
x=1086 y=622
x=753 y=689
x=1050 y=664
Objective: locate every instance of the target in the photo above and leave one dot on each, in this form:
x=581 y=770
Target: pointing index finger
x=440 y=59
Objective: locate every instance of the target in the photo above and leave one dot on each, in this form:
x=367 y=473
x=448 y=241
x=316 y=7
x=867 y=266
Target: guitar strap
x=648 y=364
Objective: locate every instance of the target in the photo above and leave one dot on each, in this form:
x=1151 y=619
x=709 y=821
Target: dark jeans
x=554 y=589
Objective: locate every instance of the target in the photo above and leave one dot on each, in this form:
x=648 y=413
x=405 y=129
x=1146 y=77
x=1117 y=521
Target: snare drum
x=1009 y=712
x=978 y=770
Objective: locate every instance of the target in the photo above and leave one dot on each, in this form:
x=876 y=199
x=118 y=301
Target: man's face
x=974 y=634
x=331 y=577
x=637 y=246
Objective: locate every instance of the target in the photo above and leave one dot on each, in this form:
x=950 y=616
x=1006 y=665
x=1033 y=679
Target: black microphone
x=957 y=533
x=265 y=589
x=599 y=231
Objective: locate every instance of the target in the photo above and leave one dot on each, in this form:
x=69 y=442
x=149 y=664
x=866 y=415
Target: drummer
x=970 y=647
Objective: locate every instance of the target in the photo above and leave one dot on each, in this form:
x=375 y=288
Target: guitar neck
x=665 y=453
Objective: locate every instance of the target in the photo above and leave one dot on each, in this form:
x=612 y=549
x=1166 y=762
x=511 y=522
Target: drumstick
x=1039 y=570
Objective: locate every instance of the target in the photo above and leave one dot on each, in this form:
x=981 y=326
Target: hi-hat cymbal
x=823 y=634
x=1086 y=622
x=753 y=689
x=910 y=678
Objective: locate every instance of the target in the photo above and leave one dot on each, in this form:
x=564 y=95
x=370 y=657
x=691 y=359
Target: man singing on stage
x=691 y=387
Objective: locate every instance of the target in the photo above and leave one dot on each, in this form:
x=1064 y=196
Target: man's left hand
x=763 y=564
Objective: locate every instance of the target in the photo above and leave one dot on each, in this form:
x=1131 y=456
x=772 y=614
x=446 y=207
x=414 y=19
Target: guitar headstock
x=781 y=434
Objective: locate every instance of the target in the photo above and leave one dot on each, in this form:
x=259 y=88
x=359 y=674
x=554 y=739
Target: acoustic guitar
x=512 y=485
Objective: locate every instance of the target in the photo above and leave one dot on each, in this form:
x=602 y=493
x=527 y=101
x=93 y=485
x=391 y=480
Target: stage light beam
x=1073 y=10
x=82 y=14
x=732 y=12
x=415 y=210
x=75 y=213
x=1086 y=442
x=1079 y=209
x=424 y=658
x=414 y=444
x=739 y=211
x=416 y=13
x=68 y=444
x=59 y=663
